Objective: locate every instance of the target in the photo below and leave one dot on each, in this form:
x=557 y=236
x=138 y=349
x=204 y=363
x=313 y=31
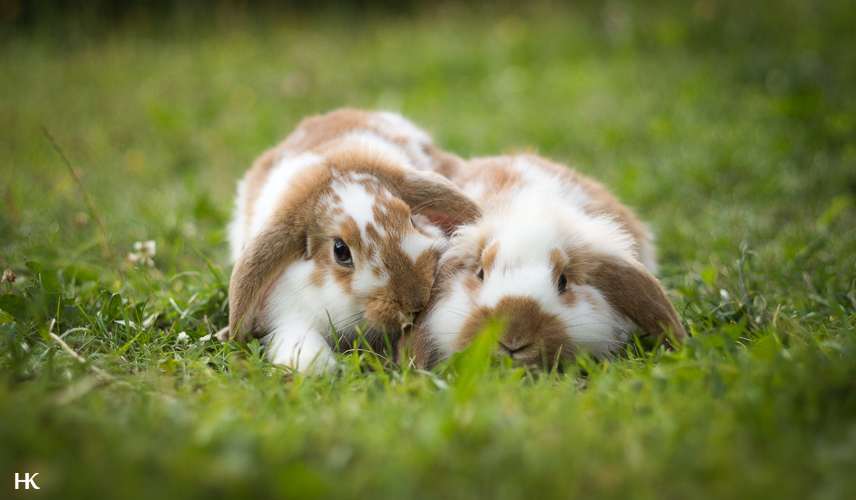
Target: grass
x=731 y=128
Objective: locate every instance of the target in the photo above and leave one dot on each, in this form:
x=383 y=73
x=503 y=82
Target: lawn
x=729 y=126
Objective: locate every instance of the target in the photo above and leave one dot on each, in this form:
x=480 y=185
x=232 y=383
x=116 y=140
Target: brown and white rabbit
x=342 y=224
x=561 y=261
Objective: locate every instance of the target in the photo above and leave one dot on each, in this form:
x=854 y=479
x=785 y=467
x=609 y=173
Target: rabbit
x=340 y=225
x=562 y=263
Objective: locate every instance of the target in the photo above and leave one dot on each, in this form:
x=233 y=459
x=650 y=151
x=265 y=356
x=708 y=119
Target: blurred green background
x=729 y=126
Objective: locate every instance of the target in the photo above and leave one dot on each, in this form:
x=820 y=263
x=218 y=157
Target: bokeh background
x=668 y=103
x=730 y=126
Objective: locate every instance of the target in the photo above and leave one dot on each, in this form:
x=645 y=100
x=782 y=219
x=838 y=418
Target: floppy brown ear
x=261 y=261
x=636 y=293
x=435 y=196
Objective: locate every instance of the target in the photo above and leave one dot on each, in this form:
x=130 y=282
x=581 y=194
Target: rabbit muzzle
x=528 y=334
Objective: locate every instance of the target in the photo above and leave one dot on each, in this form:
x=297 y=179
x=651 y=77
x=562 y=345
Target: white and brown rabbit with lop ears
x=563 y=264
x=343 y=223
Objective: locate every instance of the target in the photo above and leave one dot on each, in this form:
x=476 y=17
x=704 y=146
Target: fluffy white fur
x=239 y=225
x=293 y=317
x=415 y=244
x=359 y=202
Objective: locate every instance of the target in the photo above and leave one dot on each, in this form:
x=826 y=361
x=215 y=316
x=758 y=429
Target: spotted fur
x=360 y=177
x=562 y=262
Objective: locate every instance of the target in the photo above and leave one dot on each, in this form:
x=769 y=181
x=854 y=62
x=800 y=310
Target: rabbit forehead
x=534 y=281
x=381 y=217
x=506 y=239
x=524 y=243
x=529 y=229
x=364 y=209
x=356 y=197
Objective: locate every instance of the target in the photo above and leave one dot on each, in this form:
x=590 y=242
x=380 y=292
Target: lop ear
x=261 y=261
x=636 y=293
x=435 y=196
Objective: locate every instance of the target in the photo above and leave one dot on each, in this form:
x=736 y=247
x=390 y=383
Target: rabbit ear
x=432 y=195
x=259 y=264
x=636 y=293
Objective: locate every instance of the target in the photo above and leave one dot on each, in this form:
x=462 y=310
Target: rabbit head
x=559 y=276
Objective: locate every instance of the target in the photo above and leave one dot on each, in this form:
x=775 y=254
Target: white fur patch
x=298 y=313
x=395 y=125
x=593 y=325
x=357 y=202
x=297 y=346
x=446 y=321
x=369 y=276
x=530 y=224
x=531 y=175
x=532 y=281
x=476 y=190
x=415 y=244
x=240 y=223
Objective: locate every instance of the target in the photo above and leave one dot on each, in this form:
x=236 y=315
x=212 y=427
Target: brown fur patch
x=320 y=275
x=489 y=257
x=634 y=292
x=530 y=335
x=406 y=293
x=494 y=172
x=446 y=164
x=559 y=264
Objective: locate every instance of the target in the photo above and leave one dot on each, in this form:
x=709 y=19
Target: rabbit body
x=338 y=226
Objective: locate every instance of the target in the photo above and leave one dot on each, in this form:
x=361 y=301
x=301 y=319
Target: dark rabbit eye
x=342 y=253
x=563 y=283
x=413 y=224
x=480 y=274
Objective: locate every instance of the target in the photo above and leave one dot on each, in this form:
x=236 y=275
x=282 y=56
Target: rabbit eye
x=563 y=284
x=480 y=274
x=342 y=253
x=412 y=224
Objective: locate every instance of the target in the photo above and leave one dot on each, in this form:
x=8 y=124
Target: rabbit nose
x=513 y=346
